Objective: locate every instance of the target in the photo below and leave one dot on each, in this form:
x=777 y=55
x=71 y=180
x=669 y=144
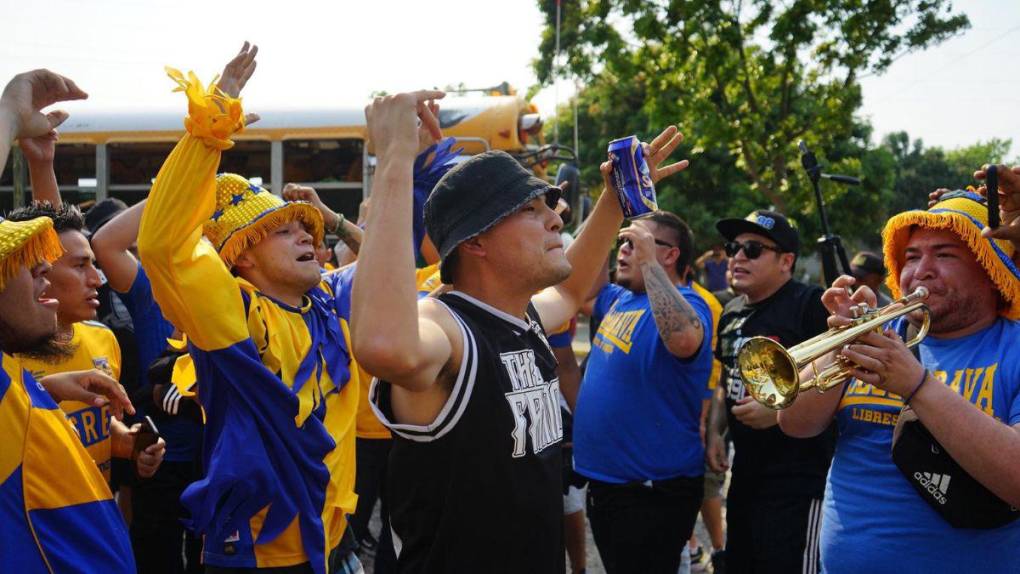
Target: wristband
x=338 y=228
x=924 y=377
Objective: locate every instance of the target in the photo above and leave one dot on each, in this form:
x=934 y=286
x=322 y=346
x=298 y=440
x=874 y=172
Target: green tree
x=745 y=79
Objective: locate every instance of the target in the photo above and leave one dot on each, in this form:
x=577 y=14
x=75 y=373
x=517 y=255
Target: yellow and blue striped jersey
x=716 y=310
x=56 y=512
x=273 y=380
x=95 y=347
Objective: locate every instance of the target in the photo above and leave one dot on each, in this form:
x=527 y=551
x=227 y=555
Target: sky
x=324 y=53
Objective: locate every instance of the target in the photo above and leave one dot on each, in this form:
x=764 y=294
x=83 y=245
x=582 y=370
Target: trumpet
x=771 y=373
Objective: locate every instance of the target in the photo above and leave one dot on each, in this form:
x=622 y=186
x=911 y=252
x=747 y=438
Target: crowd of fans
x=199 y=383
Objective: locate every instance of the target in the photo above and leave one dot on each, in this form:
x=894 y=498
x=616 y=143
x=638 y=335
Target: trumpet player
x=926 y=473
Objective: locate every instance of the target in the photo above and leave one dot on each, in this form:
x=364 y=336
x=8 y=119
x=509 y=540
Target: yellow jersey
x=95 y=347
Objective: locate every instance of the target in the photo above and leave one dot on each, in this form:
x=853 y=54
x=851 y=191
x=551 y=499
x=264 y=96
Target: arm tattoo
x=673 y=314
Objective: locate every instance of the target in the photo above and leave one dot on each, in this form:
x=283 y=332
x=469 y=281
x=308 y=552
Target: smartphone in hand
x=146 y=436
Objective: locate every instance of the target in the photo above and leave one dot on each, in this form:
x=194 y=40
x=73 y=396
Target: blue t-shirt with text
x=639 y=406
x=874 y=521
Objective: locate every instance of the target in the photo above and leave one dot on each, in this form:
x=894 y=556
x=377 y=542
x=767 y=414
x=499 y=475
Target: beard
x=49 y=347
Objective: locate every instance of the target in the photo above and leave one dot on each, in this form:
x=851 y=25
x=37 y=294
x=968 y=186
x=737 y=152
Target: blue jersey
x=638 y=410
x=874 y=521
x=183 y=436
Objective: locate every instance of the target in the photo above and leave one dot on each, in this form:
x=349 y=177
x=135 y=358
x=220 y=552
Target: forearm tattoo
x=673 y=314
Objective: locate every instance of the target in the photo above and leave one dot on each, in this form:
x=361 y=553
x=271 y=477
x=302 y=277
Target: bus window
x=332 y=166
x=248 y=159
x=75 y=167
x=133 y=166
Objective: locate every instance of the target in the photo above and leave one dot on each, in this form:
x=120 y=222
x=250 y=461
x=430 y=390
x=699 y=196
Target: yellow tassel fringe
x=247 y=237
x=43 y=246
x=894 y=238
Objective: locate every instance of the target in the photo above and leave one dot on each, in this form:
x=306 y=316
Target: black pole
x=834 y=259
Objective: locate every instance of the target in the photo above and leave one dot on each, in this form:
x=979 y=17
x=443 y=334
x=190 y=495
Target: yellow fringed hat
x=26 y=244
x=246 y=213
x=965 y=214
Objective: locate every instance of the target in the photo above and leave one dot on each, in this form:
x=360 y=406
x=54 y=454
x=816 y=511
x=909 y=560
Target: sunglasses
x=752 y=249
x=628 y=243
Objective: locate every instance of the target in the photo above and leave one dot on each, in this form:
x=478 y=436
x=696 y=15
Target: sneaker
x=719 y=561
x=699 y=560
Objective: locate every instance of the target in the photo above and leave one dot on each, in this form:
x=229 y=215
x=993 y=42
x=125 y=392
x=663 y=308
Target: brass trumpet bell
x=771 y=373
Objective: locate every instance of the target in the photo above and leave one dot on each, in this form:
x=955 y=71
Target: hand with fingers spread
x=659 y=151
x=27 y=94
x=885 y=361
x=394 y=122
x=1009 y=204
x=236 y=74
x=839 y=300
x=90 y=387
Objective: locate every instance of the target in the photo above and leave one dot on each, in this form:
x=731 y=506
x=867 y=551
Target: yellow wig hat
x=246 y=213
x=26 y=244
x=965 y=214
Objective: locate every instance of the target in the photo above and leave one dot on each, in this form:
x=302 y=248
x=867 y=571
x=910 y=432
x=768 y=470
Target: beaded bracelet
x=924 y=377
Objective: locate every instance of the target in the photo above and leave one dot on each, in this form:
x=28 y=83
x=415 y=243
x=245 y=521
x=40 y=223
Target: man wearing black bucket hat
x=467 y=380
x=774 y=500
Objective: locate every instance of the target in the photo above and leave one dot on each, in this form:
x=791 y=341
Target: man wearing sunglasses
x=777 y=483
x=636 y=426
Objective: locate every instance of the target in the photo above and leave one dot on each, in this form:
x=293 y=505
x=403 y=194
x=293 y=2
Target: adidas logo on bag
x=936 y=484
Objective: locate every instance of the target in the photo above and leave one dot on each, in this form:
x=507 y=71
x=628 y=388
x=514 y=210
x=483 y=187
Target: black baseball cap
x=865 y=263
x=771 y=224
x=476 y=195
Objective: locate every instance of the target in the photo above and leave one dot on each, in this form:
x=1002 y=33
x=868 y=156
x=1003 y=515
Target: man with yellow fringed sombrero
x=271 y=355
x=57 y=514
x=925 y=476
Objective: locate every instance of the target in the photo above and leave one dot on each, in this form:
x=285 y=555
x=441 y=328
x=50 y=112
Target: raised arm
x=558 y=304
x=112 y=245
x=39 y=152
x=193 y=287
x=22 y=102
x=392 y=337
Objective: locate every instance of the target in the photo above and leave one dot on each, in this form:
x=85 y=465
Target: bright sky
x=316 y=53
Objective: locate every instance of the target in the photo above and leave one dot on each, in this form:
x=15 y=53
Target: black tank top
x=478 y=490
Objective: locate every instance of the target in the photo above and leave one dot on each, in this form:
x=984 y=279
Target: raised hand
x=27 y=94
x=393 y=122
x=659 y=151
x=90 y=387
x=1009 y=204
x=40 y=149
x=238 y=70
x=426 y=136
x=295 y=192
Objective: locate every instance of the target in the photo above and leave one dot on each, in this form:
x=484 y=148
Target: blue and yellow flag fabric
x=273 y=380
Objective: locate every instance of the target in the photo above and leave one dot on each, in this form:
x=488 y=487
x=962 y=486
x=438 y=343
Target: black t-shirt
x=768 y=459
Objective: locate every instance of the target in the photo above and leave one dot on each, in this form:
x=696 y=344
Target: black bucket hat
x=771 y=224
x=476 y=195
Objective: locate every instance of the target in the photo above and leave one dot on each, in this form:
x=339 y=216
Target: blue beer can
x=631 y=177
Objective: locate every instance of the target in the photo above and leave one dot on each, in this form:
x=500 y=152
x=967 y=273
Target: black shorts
x=770 y=534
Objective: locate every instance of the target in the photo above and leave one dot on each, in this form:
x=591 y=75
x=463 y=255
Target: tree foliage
x=745 y=80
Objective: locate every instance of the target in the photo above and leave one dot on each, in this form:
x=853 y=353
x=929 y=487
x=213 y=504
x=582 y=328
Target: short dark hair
x=682 y=236
x=65 y=218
